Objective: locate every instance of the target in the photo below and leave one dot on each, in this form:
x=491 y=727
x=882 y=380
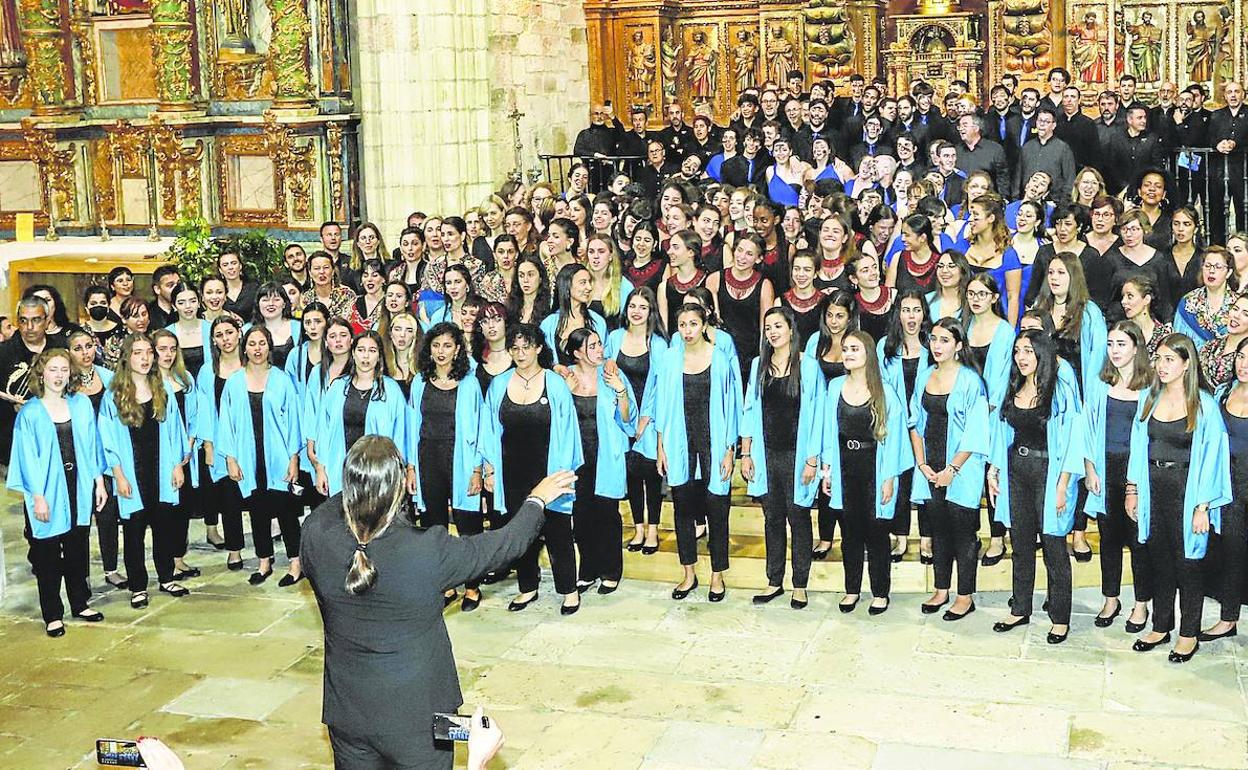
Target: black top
x=1028 y=425
x=193 y=357
x=1237 y=431
x=388 y=659
x=909 y=373
x=437 y=410
x=781 y=412
x=485 y=378
x=353 y=414
x=180 y=397
x=1118 y=417
x=936 y=432
x=145 y=441
x=97 y=399
x=256 y=403
x=525 y=442
x=697 y=414
x=636 y=369
x=245 y=305
x=740 y=316
x=855 y=421
x=218 y=387
x=1068 y=350
x=980 y=354
x=675 y=298
x=1169 y=441
x=806 y=323
x=69 y=458
x=875 y=324
x=831 y=369
x=282 y=352
x=587 y=419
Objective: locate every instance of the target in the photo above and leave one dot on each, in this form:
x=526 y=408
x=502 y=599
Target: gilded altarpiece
x=129 y=113
x=703 y=54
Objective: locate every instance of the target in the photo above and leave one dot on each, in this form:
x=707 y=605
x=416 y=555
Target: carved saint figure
x=744 y=61
x=641 y=64
x=701 y=68
x=1088 y=49
x=1202 y=46
x=781 y=57
x=234 y=19
x=670 y=53
x=1145 y=49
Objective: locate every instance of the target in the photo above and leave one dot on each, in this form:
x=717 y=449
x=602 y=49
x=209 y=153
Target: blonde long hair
x=1186 y=350
x=129 y=410
x=612 y=302
x=408 y=359
x=177 y=372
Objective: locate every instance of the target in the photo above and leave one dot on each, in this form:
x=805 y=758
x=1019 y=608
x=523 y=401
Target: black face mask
x=98 y=312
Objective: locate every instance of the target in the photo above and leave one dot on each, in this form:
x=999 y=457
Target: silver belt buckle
x=69 y=467
x=853 y=444
x=1023 y=451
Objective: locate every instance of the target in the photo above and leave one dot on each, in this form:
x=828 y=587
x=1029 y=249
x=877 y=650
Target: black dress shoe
x=848 y=608
x=1203 y=637
x=712 y=596
x=1135 y=628
x=1142 y=646
x=1083 y=556
x=990 y=560
x=649 y=550
x=1108 y=620
x=449 y=599
x=186 y=574
x=289 y=580
x=219 y=545
x=257 y=578
x=120 y=583
x=173 y=589
x=798 y=604
x=932 y=609
x=926 y=559
x=57 y=632
x=951 y=616
x=820 y=555
x=138 y=600
x=1001 y=627
x=873 y=610
x=468 y=604
x=764 y=598
x=635 y=547
x=565 y=609
x=604 y=589
x=95 y=617
x=516 y=606
x=679 y=593
x=582 y=587
x=234 y=566
x=1182 y=657
x=1053 y=638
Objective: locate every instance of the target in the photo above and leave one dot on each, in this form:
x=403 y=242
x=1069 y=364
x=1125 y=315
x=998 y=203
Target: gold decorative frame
x=243 y=145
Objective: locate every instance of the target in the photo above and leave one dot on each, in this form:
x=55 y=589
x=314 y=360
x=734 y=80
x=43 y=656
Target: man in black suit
x=389 y=666
x=1132 y=151
x=1228 y=135
x=676 y=136
x=632 y=143
x=1022 y=125
x=1078 y=131
x=975 y=153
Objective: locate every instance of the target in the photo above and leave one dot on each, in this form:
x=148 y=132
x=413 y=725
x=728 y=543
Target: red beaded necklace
x=879 y=304
x=683 y=287
x=742 y=286
x=800 y=305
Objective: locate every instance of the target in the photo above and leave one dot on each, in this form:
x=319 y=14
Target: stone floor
x=230 y=677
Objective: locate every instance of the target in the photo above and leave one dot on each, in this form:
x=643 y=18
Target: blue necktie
x=923 y=119
x=871 y=149
x=1022 y=135
x=749 y=173
x=1002 y=129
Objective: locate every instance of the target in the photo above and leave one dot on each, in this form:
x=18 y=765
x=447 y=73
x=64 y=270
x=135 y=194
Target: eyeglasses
x=978 y=294
x=523 y=348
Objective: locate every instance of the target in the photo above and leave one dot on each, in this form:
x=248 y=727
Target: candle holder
x=100 y=221
x=51 y=234
x=153 y=232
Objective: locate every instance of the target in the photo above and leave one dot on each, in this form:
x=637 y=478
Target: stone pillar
x=289 y=54
x=172 y=35
x=47 y=67
x=424 y=99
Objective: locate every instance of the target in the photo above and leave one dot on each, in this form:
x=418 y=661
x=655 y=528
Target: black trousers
x=779 y=512
x=63 y=558
x=108 y=527
x=226 y=501
x=645 y=489
x=1081 y=516
x=861 y=529
x=1226 y=182
x=691 y=500
x=1228 y=550
x=404 y=751
x=597 y=530
x=1027 y=491
x=902 y=516
x=467 y=524
x=265 y=505
x=954 y=539
x=557 y=537
x=827 y=517
x=1119 y=531
x=995 y=528
x=160 y=517
x=437 y=482
x=1173 y=572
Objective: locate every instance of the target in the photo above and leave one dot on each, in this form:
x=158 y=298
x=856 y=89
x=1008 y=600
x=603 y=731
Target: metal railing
x=1214 y=183
x=601 y=169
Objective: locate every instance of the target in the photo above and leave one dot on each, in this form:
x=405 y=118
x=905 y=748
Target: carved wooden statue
x=641 y=66
x=701 y=68
x=744 y=61
x=781 y=57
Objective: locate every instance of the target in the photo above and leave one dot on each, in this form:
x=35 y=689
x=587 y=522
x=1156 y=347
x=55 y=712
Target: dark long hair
x=1193 y=379
x=1046 y=375
x=895 y=336
x=327 y=358
x=216 y=352
x=270 y=289
x=515 y=298
x=563 y=297
x=532 y=334
x=379 y=374
x=964 y=356
x=575 y=341
x=841 y=298
x=792 y=388
x=654 y=321
x=1235 y=382
x=424 y=359
x=372 y=495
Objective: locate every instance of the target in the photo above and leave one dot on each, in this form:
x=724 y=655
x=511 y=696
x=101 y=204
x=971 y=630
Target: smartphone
x=113 y=752
x=454 y=727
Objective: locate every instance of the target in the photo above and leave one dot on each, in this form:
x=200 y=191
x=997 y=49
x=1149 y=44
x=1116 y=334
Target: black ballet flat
x=95 y=617
x=716 y=597
x=118 y=584
x=449 y=599
x=492 y=578
x=1053 y=638
x=234 y=566
x=951 y=616
x=765 y=598
x=565 y=609
x=605 y=590
x=55 y=633
x=1203 y=637
x=468 y=604
x=798 y=604
x=138 y=600
x=257 y=578
x=1142 y=646
x=848 y=608
x=1135 y=628
x=991 y=560
x=517 y=606
x=1083 y=556
x=1108 y=620
x=926 y=559
x=289 y=580
x=186 y=574
x=649 y=550
x=635 y=547
x=219 y=545
x=1002 y=627
x=582 y=587
x=1182 y=657
x=679 y=593
x=873 y=610
x=173 y=589
x=820 y=555
x=932 y=609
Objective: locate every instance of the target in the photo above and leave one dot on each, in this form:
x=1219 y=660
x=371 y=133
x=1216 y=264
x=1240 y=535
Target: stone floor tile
x=753 y=658
x=615 y=743
x=234 y=698
x=1159 y=739
x=896 y=756
x=794 y=750
x=698 y=745
x=1148 y=683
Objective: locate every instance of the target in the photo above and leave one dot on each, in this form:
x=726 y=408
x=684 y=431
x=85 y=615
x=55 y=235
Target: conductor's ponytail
x=372 y=493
